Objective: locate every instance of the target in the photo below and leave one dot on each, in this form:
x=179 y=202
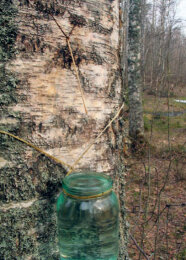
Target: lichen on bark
x=8 y=34
x=136 y=125
x=30 y=231
x=8 y=30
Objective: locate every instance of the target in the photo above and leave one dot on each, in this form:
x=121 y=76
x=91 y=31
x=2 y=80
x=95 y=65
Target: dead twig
x=138 y=247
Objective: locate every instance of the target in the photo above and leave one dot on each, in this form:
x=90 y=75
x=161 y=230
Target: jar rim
x=87 y=184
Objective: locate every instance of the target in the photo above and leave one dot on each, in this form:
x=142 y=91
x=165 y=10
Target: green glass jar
x=88 y=218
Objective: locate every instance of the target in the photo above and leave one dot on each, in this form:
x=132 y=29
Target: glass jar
x=88 y=218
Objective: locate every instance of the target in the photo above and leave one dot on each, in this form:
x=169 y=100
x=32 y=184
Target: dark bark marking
x=29 y=44
x=77 y=20
x=63 y=58
x=94 y=56
x=96 y=27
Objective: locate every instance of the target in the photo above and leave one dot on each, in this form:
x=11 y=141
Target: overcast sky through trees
x=181 y=13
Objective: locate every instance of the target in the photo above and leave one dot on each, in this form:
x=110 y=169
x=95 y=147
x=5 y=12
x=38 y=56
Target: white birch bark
x=48 y=112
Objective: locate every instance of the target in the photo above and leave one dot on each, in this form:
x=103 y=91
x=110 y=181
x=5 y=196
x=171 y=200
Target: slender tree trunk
x=143 y=23
x=136 y=125
x=124 y=44
x=40 y=102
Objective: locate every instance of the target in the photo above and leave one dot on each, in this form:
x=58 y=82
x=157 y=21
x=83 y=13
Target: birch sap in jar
x=88 y=218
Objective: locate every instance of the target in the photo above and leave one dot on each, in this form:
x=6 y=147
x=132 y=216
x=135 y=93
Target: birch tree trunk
x=41 y=103
x=136 y=124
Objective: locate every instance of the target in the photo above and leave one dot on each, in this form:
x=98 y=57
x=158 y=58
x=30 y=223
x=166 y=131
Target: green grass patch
x=160 y=123
x=179 y=105
x=182 y=255
x=152 y=104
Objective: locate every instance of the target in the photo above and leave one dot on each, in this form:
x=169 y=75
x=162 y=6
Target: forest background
x=157 y=168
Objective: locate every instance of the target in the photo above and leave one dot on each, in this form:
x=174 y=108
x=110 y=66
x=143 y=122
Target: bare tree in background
x=136 y=125
x=164 y=42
